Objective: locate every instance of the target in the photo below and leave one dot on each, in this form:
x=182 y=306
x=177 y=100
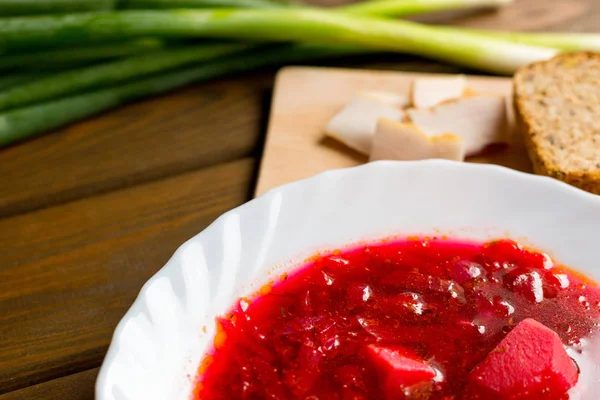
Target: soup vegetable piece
x=530 y=359
x=399 y=369
x=415 y=319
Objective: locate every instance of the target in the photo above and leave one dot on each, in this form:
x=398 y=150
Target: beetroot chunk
x=529 y=363
x=400 y=370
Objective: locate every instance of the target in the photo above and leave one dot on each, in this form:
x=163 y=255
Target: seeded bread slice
x=557 y=104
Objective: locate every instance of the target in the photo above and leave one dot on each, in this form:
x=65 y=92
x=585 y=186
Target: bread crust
x=542 y=162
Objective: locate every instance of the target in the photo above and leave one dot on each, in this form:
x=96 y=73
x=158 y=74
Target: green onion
x=21 y=123
x=10 y=81
x=28 y=7
x=79 y=80
x=390 y=8
x=104 y=75
x=108 y=74
x=288 y=24
x=404 y=8
x=562 y=41
x=75 y=55
x=150 y=4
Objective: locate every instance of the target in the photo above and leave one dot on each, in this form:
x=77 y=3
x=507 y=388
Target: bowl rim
x=101 y=389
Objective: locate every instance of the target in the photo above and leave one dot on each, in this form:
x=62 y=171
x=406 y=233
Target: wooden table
x=89 y=213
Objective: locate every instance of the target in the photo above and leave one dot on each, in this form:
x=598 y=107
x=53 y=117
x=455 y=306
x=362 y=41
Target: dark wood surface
x=72 y=387
x=89 y=213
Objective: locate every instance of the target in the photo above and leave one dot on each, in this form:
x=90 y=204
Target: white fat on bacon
x=393 y=99
x=478 y=120
x=355 y=124
x=429 y=92
x=399 y=141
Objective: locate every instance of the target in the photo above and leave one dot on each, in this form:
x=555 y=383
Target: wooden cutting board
x=304 y=100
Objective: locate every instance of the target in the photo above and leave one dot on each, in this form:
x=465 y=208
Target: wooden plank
x=69 y=273
x=587 y=22
x=522 y=15
x=78 y=386
x=192 y=128
x=306 y=98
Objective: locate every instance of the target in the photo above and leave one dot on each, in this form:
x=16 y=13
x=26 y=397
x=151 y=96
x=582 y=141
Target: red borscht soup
x=416 y=319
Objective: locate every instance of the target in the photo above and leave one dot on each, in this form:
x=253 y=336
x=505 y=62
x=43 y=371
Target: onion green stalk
x=404 y=8
x=288 y=24
x=562 y=41
x=68 y=82
x=13 y=80
x=29 y=7
x=153 y=4
x=94 y=77
x=79 y=80
x=74 y=55
x=388 y=8
x=22 y=123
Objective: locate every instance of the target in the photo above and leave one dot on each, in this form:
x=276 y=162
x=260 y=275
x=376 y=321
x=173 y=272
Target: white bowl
x=158 y=345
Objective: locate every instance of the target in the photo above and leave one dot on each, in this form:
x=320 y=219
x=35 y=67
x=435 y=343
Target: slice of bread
x=557 y=104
